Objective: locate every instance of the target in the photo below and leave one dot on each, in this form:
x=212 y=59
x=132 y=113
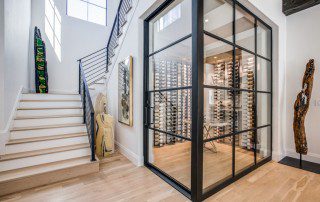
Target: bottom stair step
x=25 y=162
x=30 y=177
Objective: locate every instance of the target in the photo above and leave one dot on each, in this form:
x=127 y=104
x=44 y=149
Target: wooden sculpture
x=301 y=107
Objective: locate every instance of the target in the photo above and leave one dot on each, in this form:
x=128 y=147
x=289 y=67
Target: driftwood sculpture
x=301 y=107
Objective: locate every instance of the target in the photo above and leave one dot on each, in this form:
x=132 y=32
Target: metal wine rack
x=172 y=108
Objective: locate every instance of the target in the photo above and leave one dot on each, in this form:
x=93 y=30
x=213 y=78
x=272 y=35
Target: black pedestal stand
x=299 y=163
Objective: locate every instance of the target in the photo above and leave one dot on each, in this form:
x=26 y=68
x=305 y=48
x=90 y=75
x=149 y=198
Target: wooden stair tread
x=47 y=108
x=47 y=116
x=43 y=138
x=43 y=168
x=51 y=100
x=47 y=127
x=7 y=157
x=44 y=94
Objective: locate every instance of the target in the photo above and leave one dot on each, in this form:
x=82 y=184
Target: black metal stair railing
x=88 y=110
x=95 y=67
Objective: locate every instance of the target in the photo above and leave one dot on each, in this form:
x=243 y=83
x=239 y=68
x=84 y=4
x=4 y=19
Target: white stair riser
x=32 y=146
x=41 y=159
x=36 y=105
x=51 y=112
x=49 y=97
x=47 y=132
x=47 y=121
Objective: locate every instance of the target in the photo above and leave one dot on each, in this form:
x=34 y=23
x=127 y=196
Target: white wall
x=129 y=139
x=78 y=38
x=16 y=45
x=2 y=124
x=303 y=43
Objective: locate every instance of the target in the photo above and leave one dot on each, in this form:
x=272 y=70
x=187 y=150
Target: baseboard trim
x=5 y=134
x=312 y=157
x=134 y=158
x=14 y=109
x=3 y=141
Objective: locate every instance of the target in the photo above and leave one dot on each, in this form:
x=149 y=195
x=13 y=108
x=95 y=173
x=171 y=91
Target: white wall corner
x=134 y=158
x=277 y=156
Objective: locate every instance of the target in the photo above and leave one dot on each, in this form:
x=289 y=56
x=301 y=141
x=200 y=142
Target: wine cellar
x=208 y=96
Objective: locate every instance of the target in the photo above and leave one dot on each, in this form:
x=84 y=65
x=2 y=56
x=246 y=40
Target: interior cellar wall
x=172 y=109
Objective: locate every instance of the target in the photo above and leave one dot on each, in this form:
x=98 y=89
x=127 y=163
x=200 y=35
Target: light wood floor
x=120 y=180
x=175 y=160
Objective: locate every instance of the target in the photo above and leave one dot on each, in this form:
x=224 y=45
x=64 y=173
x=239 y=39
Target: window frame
x=87 y=20
x=52 y=27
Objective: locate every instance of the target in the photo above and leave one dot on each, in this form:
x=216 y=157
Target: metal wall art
x=125 y=99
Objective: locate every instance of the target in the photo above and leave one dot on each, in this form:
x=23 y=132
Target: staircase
x=52 y=136
x=95 y=67
x=48 y=143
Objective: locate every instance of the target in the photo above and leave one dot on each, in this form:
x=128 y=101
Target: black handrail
x=88 y=110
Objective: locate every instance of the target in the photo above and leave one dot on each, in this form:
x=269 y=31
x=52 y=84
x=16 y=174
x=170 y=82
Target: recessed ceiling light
x=206 y=20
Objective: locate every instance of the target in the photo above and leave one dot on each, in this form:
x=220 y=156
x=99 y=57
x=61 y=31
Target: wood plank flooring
x=175 y=160
x=120 y=180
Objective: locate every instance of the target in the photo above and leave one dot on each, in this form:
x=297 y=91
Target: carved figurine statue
x=301 y=107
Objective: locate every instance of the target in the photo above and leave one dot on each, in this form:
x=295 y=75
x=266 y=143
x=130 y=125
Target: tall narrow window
x=53 y=26
x=89 y=10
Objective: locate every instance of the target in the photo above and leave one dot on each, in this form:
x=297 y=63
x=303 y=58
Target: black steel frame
x=197 y=193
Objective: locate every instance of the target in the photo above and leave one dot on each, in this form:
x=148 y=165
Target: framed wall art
x=125 y=99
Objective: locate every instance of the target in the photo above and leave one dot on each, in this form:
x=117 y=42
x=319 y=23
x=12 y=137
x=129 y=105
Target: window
x=89 y=10
x=53 y=26
x=169 y=18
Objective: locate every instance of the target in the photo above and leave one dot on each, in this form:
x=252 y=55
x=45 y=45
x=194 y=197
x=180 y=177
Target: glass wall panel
x=173 y=23
x=245 y=33
x=218 y=62
x=244 y=153
x=263 y=40
x=244 y=70
x=218 y=18
x=263 y=74
x=217 y=162
x=170 y=111
x=245 y=107
x=263 y=143
x=174 y=159
x=263 y=109
x=171 y=67
x=218 y=113
x=169 y=85
x=236 y=93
